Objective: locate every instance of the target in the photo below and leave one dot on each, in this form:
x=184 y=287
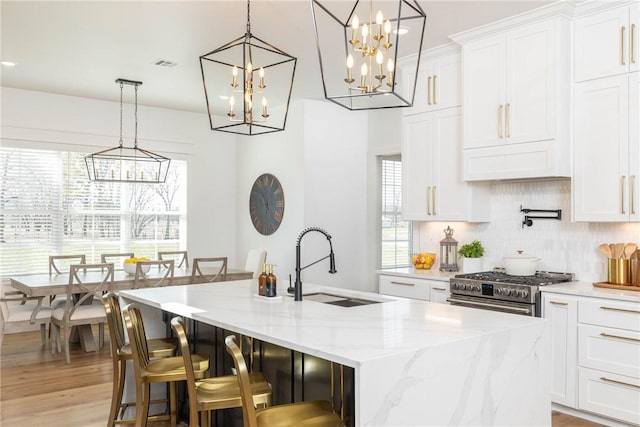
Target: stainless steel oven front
x=492 y=304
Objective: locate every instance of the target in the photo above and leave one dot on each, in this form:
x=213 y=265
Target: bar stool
x=121 y=353
x=318 y=413
x=167 y=370
x=215 y=393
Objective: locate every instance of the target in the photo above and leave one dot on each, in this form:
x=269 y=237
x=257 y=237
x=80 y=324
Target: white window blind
x=48 y=206
x=396 y=233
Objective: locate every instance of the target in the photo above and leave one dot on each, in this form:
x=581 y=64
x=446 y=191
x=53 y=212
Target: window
x=48 y=206
x=396 y=233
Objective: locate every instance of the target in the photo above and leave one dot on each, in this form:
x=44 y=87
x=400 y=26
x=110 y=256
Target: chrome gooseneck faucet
x=297 y=290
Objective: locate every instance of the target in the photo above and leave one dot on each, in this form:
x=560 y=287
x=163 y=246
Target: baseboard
x=589 y=416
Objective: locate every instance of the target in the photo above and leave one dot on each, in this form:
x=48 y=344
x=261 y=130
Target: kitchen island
x=414 y=362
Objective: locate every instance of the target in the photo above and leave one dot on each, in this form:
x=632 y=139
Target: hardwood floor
x=40 y=389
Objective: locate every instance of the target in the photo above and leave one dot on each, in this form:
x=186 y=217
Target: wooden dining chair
x=20 y=310
x=165 y=370
x=61 y=263
x=210 y=394
x=317 y=413
x=119 y=258
x=181 y=257
x=206 y=270
x=153 y=274
x=255 y=259
x=121 y=353
x=86 y=282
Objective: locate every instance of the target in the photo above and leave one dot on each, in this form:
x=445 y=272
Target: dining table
x=45 y=284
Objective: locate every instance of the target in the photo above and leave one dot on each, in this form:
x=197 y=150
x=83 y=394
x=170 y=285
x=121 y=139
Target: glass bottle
x=262 y=281
x=271 y=282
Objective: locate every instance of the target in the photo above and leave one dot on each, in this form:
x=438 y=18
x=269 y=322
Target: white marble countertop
x=349 y=336
x=433 y=274
x=586 y=289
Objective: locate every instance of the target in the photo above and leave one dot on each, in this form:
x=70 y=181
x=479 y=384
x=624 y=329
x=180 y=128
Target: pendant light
x=378 y=46
x=247 y=85
x=127 y=164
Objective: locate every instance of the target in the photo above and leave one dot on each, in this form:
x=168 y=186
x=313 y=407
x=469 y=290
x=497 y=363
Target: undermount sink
x=342 y=301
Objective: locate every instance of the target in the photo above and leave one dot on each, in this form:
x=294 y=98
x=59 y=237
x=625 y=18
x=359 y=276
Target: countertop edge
x=586 y=289
x=433 y=274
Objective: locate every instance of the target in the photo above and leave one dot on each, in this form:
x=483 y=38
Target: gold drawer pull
x=500 y=121
x=619 y=382
x=403 y=283
x=632 y=183
x=429 y=90
x=625 y=310
x=622 y=30
x=558 y=303
x=633 y=36
x=507 y=126
x=606 y=335
x=435 y=97
x=439 y=289
x=622 y=194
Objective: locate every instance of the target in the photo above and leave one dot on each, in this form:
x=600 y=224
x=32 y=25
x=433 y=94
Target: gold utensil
x=606 y=251
x=629 y=249
x=619 y=250
x=612 y=249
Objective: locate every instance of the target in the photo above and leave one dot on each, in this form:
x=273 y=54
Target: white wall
x=320 y=160
x=46 y=120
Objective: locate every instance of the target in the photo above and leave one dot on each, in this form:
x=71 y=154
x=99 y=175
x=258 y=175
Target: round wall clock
x=266 y=204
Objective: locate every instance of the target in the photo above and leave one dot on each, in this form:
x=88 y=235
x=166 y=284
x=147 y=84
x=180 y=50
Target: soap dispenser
x=271 y=282
x=262 y=282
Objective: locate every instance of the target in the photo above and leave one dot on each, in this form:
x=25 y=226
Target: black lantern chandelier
x=383 y=45
x=247 y=85
x=127 y=164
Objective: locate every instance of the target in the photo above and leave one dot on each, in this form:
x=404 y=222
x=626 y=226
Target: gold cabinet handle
x=500 y=121
x=622 y=31
x=507 y=125
x=435 y=96
x=558 y=303
x=632 y=184
x=429 y=90
x=403 y=283
x=622 y=194
x=624 y=310
x=619 y=382
x=429 y=200
x=433 y=199
x=439 y=289
x=632 y=43
x=606 y=335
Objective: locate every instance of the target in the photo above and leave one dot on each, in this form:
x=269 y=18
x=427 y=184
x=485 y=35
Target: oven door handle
x=489 y=305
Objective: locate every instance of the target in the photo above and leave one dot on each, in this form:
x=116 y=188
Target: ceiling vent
x=165 y=63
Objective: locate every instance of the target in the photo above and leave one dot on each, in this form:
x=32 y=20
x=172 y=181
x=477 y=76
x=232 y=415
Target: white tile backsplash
x=563 y=246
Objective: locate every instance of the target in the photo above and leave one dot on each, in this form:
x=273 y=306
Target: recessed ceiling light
x=400 y=31
x=7 y=63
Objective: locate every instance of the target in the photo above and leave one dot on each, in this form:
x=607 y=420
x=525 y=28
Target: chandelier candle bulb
x=234 y=72
x=390 y=70
x=355 y=23
x=261 y=85
x=379 y=61
x=379 y=23
x=349 y=78
x=264 y=107
x=232 y=102
x=363 y=75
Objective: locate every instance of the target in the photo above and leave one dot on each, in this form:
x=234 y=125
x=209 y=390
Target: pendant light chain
x=135 y=136
x=121 y=86
x=249 y=17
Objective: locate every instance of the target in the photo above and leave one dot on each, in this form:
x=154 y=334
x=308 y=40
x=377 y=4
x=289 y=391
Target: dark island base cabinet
x=293 y=376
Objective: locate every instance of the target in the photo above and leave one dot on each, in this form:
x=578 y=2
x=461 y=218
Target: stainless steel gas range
x=495 y=290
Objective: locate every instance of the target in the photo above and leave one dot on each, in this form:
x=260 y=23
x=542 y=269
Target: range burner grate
x=498 y=275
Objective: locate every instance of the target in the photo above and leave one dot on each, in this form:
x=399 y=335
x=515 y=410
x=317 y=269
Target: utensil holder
x=619 y=271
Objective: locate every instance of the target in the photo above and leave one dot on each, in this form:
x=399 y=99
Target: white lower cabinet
x=410 y=287
x=562 y=311
x=595 y=355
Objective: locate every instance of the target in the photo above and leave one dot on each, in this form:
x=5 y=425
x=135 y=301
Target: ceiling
x=79 y=48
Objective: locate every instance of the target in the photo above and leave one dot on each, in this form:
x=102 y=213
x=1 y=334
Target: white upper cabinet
x=606 y=180
x=607 y=43
x=516 y=92
x=433 y=189
x=438 y=83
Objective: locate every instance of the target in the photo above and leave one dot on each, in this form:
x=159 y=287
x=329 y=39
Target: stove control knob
x=476 y=288
x=466 y=287
x=523 y=294
x=511 y=292
x=454 y=286
x=498 y=291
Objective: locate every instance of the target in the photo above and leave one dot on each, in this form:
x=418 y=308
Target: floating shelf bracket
x=528 y=219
